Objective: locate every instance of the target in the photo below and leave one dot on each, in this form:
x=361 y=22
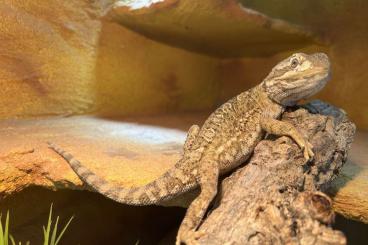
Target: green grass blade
x=6 y=232
x=1 y=231
x=54 y=232
x=44 y=233
x=47 y=231
x=12 y=240
x=62 y=232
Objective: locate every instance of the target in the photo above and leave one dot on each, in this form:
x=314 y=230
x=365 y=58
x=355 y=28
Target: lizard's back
x=232 y=131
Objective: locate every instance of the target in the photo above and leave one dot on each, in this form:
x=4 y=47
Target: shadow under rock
x=97 y=220
x=355 y=232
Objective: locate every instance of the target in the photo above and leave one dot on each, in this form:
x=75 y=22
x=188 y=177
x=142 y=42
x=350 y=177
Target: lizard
x=226 y=139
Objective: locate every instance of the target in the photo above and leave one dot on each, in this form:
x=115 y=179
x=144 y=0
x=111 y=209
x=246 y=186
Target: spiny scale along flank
x=166 y=187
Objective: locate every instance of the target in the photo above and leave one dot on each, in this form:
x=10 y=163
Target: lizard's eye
x=294 y=63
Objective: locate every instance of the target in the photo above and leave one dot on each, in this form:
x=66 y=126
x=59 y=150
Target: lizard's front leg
x=192 y=134
x=208 y=179
x=276 y=127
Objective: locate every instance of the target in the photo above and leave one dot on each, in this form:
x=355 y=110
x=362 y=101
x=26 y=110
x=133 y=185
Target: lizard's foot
x=307 y=149
x=188 y=237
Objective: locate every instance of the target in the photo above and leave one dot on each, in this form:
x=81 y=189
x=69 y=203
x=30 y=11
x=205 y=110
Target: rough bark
x=277 y=198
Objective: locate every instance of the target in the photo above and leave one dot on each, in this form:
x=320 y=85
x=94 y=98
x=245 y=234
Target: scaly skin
x=226 y=139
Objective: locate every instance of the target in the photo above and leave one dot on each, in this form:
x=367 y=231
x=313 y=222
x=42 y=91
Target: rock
x=215 y=27
x=60 y=58
x=45 y=46
x=128 y=154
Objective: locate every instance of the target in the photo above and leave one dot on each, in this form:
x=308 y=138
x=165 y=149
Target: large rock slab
x=128 y=154
x=215 y=27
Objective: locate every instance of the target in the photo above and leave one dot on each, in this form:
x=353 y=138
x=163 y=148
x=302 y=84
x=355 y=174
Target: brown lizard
x=226 y=139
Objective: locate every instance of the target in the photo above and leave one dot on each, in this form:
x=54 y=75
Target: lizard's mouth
x=321 y=79
x=305 y=90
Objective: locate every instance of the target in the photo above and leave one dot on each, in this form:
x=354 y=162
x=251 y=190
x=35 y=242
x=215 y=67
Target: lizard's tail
x=164 y=188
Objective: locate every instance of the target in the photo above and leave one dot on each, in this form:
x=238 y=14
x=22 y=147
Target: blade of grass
x=12 y=240
x=62 y=232
x=54 y=232
x=1 y=231
x=44 y=233
x=47 y=230
x=6 y=232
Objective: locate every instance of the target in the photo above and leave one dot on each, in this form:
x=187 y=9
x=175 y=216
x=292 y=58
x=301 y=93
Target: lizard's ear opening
x=274 y=90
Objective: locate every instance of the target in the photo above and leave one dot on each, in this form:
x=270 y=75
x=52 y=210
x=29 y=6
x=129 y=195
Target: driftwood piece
x=350 y=189
x=277 y=198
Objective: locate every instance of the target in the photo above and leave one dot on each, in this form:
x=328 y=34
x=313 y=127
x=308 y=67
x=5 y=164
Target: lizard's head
x=297 y=77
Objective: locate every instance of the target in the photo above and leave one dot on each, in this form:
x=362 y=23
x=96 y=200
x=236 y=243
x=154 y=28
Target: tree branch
x=277 y=197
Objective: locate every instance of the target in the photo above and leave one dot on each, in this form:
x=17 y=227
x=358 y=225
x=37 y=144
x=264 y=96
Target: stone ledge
x=214 y=27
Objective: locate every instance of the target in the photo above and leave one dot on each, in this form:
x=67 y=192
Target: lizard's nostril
x=321 y=56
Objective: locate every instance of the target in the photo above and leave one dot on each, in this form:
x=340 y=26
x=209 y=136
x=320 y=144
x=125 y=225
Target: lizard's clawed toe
x=307 y=150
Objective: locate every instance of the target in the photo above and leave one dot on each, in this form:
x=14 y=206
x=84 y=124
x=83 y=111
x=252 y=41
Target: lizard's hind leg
x=208 y=180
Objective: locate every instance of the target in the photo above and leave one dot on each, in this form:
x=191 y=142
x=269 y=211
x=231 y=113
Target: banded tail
x=166 y=187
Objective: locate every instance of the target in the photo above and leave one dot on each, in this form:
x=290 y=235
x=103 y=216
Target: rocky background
x=77 y=57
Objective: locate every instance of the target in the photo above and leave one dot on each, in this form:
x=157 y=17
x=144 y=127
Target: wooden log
x=350 y=190
x=277 y=198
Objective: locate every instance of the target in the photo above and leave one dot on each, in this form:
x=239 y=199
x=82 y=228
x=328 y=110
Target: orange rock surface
x=215 y=27
x=127 y=154
x=62 y=58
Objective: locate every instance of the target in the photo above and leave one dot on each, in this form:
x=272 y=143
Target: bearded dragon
x=226 y=140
